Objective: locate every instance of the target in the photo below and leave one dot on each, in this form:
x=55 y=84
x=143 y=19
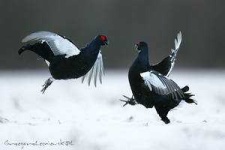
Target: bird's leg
x=47 y=83
x=128 y=100
x=166 y=120
x=162 y=111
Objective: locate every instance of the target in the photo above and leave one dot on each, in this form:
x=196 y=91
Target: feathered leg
x=47 y=84
x=163 y=111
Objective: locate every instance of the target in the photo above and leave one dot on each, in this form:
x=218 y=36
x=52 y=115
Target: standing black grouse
x=64 y=59
x=150 y=84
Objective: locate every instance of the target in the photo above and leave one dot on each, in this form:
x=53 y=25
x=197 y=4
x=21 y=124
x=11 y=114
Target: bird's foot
x=128 y=100
x=47 y=84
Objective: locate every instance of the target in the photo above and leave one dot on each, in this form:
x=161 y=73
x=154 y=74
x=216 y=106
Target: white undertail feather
x=173 y=55
x=59 y=45
x=96 y=72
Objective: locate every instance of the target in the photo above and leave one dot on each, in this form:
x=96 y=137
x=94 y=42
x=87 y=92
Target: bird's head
x=103 y=39
x=141 y=46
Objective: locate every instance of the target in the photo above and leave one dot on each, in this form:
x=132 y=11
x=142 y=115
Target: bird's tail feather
x=188 y=96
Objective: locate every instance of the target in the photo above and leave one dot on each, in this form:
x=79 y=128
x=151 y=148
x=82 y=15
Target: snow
x=94 y=119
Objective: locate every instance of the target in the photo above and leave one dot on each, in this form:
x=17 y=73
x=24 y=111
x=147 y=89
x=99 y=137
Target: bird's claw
x=128 y=100
x=46 y=85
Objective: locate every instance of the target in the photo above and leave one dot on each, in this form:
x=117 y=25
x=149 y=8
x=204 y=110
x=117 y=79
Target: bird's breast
x=141 y=93
x=69 y=68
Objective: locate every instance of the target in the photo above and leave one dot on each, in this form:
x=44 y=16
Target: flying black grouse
x=150 y=84
x=64 y=59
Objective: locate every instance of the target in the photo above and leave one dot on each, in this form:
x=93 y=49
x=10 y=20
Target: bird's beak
x=136 y=47
x=107 y=42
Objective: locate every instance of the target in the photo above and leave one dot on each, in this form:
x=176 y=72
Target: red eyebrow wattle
x=103 y=38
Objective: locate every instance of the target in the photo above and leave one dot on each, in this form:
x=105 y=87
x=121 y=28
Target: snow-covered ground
x=90 y=118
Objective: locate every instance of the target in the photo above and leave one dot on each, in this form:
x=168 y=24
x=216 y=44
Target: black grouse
x=150 y=84
x=64 y=59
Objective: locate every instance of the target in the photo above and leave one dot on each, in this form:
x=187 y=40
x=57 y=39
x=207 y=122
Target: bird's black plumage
x=61 y=66
x=141 y=64
x=151 y=87
x=75 y=66
x=42 y=49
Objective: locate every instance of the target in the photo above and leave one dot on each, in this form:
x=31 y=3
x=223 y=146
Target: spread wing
x=58 y=44
x=96 y=72
x=167 y=64
x=162 y=85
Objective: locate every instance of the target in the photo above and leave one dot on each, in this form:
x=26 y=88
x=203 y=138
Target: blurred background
x=124 y=22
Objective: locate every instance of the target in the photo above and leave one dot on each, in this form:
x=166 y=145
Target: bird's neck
x=143 y=58
x=93 y=47
x=141 y=63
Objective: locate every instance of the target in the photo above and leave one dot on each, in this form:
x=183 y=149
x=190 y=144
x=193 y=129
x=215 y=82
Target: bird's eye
x=103 y=38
